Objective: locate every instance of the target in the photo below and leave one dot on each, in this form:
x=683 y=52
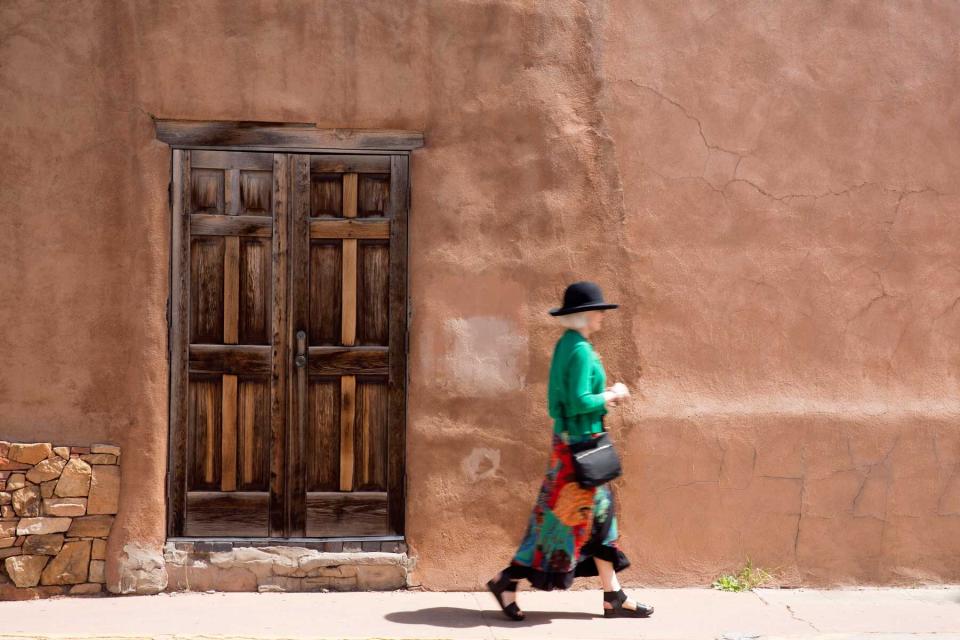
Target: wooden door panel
x=237 y=360
x=231 y=160
x=373 y=194
x=207 y=188
x=397 y=378
x=370 y=435
x=253 y=434
x=237 y=513
x=349 y=228
x=206 y=289
x=322 y=436
x=334 y=166
x=354 y=361
x=227 y=406
x=204 y=428
x=256 y=190
x=202 y=224
x=334 y=514
x=374 y=292
x=326 y=258
x=349 y=225
x=326 y=195
x=254 y=291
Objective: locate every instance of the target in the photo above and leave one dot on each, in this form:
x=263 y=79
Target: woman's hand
x=616 y=394
x=610 y=398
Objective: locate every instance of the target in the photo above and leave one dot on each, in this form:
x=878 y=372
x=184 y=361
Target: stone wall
x=57 y=505
x=249 y=566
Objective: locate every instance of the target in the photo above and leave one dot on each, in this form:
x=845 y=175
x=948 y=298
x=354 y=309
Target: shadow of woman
x=463 y=618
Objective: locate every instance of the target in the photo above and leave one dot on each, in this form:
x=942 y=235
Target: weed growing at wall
x=747 y=578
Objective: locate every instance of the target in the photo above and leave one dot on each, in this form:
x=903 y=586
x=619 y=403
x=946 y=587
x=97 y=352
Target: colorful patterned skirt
x=568 y=528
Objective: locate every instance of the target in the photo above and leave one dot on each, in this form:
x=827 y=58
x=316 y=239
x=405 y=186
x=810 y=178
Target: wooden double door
x=288 y=335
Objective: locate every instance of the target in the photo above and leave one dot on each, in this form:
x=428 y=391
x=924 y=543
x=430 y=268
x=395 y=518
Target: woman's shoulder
x=575 y=348
x=569 y=340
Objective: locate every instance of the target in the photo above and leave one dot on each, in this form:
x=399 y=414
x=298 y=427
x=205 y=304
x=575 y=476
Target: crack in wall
x=946 y=489
x=883 y=294
x=593 y=19
x=695 y=119
x=903 y=192
x=803 y=493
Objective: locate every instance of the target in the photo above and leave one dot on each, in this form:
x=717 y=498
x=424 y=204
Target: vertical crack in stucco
x=803 y=492
x=949 y=483
x=941 y=511
x=887 y=476
x=856 y=498
x=593 y=19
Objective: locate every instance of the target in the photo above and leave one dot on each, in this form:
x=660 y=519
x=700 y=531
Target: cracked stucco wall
x=790 y=177
x=769 y=189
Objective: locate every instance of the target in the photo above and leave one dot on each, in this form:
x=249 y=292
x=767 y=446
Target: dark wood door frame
x=285 y=139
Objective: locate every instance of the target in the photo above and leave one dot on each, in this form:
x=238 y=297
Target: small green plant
x=747 y=578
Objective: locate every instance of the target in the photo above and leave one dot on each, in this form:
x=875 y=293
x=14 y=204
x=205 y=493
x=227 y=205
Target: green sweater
x=577 y=380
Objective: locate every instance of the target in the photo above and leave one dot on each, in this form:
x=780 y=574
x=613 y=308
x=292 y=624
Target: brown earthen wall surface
x=769 y=190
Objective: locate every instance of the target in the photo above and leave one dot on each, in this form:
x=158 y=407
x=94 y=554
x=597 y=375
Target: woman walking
x=572 y=531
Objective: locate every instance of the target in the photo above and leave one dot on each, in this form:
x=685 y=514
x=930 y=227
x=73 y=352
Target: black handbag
x=595 y=461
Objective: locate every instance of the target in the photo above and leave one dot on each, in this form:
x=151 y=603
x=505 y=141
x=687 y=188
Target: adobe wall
x=768 y=189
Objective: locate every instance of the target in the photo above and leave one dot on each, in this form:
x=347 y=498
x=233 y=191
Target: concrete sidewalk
x=688 y=614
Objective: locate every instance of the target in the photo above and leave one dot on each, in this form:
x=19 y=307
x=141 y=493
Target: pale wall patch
x=481 y=463
x=484 y=356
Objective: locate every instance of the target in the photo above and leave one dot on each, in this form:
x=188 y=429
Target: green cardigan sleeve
x=580 y=396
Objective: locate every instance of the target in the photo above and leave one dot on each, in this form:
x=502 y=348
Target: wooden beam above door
x=281 y=136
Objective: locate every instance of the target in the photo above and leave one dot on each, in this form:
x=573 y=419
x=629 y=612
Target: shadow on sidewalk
x=462 y=618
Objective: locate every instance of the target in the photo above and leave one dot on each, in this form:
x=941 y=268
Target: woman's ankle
x=618 y=598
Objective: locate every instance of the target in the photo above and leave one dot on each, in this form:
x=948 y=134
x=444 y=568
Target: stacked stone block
x=57 y=505
x=203 y=566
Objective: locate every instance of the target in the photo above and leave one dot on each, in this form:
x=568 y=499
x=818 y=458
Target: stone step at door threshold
x=235 y=565
x=388 y=544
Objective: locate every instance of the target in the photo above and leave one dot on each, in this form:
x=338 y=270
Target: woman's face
x=594 y=320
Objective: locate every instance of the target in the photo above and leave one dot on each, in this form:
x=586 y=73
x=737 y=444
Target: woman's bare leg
x=508 y=596
x=610 y=583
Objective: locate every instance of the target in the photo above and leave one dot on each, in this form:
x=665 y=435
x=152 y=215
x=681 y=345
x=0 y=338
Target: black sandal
x=497 y=587
x=617 y=598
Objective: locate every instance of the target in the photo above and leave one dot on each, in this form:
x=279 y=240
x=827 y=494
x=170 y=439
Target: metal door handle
x=301 y=359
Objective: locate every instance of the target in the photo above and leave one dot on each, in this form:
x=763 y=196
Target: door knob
x=301 y=359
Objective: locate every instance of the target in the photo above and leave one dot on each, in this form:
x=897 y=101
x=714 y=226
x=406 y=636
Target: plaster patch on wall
x=484 y=358
x=481 y=463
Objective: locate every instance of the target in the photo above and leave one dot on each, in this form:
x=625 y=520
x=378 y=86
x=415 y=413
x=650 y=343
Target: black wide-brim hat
x=582 y=296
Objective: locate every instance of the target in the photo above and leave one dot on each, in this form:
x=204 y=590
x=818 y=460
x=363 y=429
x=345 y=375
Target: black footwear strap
x=617 y=598
x=505 y=583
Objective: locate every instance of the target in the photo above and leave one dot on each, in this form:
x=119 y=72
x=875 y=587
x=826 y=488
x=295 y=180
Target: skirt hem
x=585 y=568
